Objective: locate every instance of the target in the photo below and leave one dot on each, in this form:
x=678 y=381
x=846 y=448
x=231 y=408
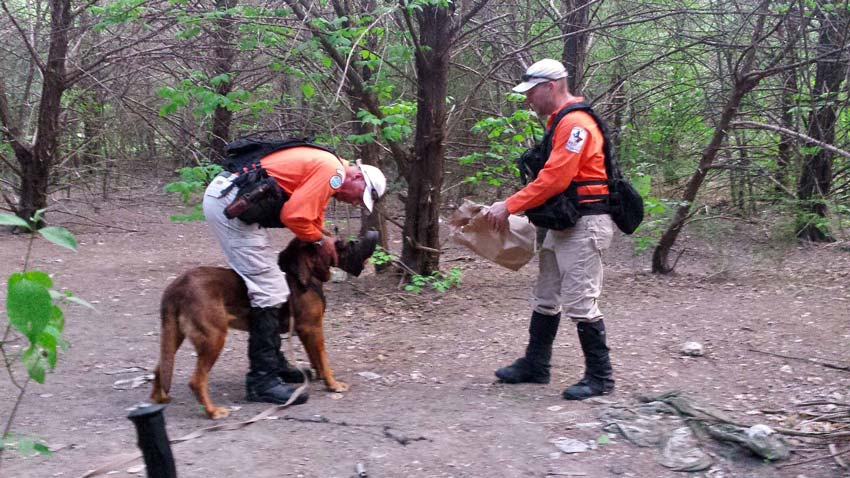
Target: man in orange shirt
x=570 y=276
x=310 y=177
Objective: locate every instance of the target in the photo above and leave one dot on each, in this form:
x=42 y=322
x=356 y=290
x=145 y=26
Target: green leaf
x=219 y=79
x=34 y=363
x=12 y=220
x=28 y=306
x=78 y=301
x=307 y=90
x=48 y=341
x=57 y=319
x=59 y=236
x=190 y=32
x=39 y=277
x=39 y=213
x=27 y=445
x=41 y=449
x=603 y=440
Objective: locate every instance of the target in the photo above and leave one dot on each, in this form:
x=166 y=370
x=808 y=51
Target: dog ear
x=304 y=261
x=320 y=265
x=296 y=261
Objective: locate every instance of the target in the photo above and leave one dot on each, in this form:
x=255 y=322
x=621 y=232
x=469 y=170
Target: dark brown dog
x=203 y=302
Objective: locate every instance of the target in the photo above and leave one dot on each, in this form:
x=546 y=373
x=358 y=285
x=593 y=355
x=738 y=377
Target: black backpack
x=260 y=198
x=622 y=202
x=244 y=154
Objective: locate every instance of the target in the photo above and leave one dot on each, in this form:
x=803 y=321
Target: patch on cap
x=336 y=181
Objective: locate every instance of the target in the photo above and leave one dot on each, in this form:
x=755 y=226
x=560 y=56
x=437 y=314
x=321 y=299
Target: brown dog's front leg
x=314 y=343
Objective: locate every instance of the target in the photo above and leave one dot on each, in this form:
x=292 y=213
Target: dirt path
x=434 y=410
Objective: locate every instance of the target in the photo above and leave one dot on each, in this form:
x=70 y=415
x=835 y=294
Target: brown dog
x=203 y=302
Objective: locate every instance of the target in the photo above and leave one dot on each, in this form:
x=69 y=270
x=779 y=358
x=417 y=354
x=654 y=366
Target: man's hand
x=327 y=249
x=497 y=216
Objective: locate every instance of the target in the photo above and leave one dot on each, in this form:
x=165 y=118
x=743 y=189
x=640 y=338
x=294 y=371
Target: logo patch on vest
x=336 y=181
x=577 y=138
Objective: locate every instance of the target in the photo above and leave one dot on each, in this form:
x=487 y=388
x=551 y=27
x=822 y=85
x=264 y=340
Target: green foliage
x=805 y=218
x=381 y=257
x=199 y=91
x=438 y=281
x=413 y=5
x=59 y=236
x=31 y=303
x=665 y=139
x=507 y=138
x=10 y=220
x=193 y=181
x=32 y=308
x=24 y=445
x=121 y=11
x=394 y=125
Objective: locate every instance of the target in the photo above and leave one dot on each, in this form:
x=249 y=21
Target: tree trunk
x=744 y=82
x=575 y=44
x=787 y=145
x=370 y=153
x=421 y=246
x=660 y=262
x=222 y=37
x=36 y=167
x=816 y=177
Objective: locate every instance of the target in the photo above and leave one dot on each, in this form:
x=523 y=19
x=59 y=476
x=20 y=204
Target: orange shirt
x=576 y=155
x=310 y=176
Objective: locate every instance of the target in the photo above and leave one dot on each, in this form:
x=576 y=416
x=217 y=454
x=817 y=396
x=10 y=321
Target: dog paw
x=160 y=398
x=337 y=387
x=218 y=413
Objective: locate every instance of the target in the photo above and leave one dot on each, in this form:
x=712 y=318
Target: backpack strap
x=612 y=170
x=550 y=133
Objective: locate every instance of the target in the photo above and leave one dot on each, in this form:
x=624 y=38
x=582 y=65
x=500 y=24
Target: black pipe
x=153 y=441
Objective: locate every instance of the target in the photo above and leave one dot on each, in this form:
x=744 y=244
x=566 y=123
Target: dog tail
x=170 y=339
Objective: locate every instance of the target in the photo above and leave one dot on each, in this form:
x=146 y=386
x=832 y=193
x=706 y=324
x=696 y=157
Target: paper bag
x=511 y=248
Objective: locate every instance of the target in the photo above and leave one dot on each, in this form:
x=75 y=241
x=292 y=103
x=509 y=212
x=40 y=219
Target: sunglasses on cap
x=527 y=77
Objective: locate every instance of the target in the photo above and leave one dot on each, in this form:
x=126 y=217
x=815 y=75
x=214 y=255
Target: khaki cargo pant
x=246 y=248
x=570 y=277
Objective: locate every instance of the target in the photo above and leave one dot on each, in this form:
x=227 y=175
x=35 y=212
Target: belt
x=594 y=208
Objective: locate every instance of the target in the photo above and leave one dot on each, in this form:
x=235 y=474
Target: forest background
x=722 y=110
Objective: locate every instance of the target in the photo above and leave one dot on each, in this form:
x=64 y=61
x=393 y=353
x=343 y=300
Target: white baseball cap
x=376 y=184
x=541 y=72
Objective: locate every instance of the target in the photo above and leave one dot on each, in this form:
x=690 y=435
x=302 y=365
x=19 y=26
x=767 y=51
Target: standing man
x=570 y=278
x=309 y=177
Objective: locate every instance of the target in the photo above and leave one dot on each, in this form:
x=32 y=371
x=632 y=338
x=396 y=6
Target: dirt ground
x=429 y=406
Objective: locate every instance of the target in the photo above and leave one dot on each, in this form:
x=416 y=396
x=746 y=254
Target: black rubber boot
x=534 y=367
x=598 y=375
x=289 y=373
x=262 y=382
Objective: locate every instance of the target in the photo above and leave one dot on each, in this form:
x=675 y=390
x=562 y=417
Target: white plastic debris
x=369 y=375
x=570 y=445
x=130 y=383
x=759 y=431
x=693 y=349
